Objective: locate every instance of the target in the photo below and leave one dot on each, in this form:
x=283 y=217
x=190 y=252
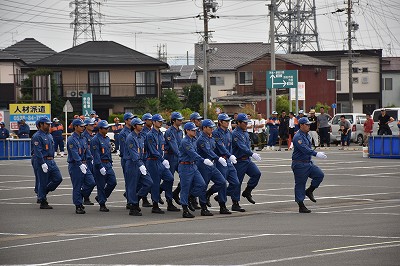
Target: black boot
x=208 y=196
x=45 y=205
x=135 y=210
x=216 y=198
x=186 y=213
x=175 y=194
x=309 y=193
x=146 y=203
x=190 y=203
x=86 y=201
x=103 y=208
x=156 y=209
x=171 y=207
x=195 y=204
x=128 y=206
x=223 y=209
x=205 y=211
x=79 y=209
x=303 y=208
x=161 y=200
x=236 y=207
x=247 y=194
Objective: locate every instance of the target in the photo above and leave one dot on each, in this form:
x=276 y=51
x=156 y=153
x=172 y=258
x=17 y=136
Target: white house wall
x=219 y=90
x=392 y=97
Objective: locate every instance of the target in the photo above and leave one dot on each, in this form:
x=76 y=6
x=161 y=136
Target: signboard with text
x=30 y=112
x=301 y=92
x=87 y=104
x=282 y=79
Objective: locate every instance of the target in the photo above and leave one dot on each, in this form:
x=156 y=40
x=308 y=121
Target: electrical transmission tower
x=295 y=25
x=86 y=19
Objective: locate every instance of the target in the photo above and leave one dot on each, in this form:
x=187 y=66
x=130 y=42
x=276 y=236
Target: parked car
x=357 y=127
x=392 y=112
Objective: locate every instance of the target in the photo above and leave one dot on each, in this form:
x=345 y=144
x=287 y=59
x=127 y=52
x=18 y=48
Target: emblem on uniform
x=299 y=141
x=188 y=147
x=36 y=143
x=235 y=139
x=131 y=145
x=71 y=146
x=94 y=147
x=168 y=138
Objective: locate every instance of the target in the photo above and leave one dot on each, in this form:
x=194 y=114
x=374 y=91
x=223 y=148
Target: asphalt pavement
x=356 y=221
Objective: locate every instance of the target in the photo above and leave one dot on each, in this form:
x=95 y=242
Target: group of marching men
x=204 y=152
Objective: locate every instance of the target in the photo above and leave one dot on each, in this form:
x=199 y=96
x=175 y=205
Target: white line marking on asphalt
x=12 y=234
x=356 y=246
x=361 y=209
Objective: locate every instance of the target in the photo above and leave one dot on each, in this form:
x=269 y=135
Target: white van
x=357 y=126
x=392 y=112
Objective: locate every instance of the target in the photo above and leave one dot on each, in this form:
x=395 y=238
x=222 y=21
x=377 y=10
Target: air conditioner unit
x=364 y=80
x=81 y=92
x=76 y=93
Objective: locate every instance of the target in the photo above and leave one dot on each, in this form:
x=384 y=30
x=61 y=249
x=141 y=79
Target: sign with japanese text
x=282 y=79
x=87 y=104
x=301 y=92
x=30 y=112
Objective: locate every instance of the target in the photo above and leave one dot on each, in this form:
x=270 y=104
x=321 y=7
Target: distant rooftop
x=391 y=64
x=29 y=50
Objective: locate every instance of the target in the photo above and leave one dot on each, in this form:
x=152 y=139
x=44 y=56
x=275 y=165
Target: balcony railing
x=112 y=90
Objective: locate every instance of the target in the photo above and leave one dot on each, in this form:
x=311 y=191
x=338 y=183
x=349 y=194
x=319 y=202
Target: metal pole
x=66 y=126
x=272 y=47
x=205 y=76
x=349 y=6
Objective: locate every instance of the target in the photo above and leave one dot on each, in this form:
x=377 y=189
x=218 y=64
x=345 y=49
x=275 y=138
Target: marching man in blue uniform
x=303 y=167
x=205 y=147
x=122 y=138
x=148 y=125
x=49 y=176
x=81 y=177
x=196 y=119
x=223 y=140
x=158 y=166
x=103 y=171
x=135 y=168
x=191 y=180
x=4 y=133
x=88 y=135
x=242 y=150
x=173 y=138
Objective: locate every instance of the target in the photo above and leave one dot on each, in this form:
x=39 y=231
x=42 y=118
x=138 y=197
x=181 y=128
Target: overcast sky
x=145 y=24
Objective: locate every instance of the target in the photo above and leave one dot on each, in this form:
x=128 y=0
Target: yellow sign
x=30 y=112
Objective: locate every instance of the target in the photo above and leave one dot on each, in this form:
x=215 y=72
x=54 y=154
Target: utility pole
x=271 y=8
x=350 y=54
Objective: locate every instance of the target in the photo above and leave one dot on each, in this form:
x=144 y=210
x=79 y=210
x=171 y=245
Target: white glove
x=103 y=171
x=83 y=168
x=143 y=170
x=256 y=156
x=166 y=164
x=321 y=155
x=233 y=159
x=222 y=161
x=45 y=168
x=208 y=162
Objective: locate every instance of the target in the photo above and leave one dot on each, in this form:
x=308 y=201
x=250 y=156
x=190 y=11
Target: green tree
x=282 y=103
x=151 y=105
x=193 y=97
x=326 y=106
x=170 y=101
x=57 y=103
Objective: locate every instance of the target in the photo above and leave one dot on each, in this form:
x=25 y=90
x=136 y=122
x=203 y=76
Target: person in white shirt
x=251 y=130
x=259 y=129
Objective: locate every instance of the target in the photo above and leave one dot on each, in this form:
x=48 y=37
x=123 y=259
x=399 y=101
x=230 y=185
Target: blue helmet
x=137 y=121
x=190 y=126
x=103 y=124
x=157 y=117
x=196 y=116
x=147 y=116
x=128 y=115
x=2 y=123
x=89 y=121
x=77 y=122
x=304 y=120
x=93 y=112
x=44 y=119
x=207 y=123
x=242 y=117
x=177 y=115
x=224 y=117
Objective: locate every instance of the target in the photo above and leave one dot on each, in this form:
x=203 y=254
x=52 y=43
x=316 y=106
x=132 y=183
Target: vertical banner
x=87 y=104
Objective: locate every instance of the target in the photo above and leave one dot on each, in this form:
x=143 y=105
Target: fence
x=384 y=147
x=15 y=149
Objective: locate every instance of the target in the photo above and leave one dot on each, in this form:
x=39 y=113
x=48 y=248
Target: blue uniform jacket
x=206 y=146
x=86 y=135
x=4 y=133
x=56 y=130
x=173 y=138
x=135 y=151
x=43 y=146
x=302 y=147
x=270 y=123
x=241 y=143
x=78 y=149
x=188 y=151
x=122 y=138
x=23 y=131
x=100 y=148
x=223 y=140
x=144 y=131
x=154 y=144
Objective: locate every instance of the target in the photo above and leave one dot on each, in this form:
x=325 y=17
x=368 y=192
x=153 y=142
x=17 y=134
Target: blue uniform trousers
x=230 y=175
x=212 y=173
x=116 y=141
x=105 y=183
x=192 y=183
x=273 y=137
x=246 y=167
x=158 y=172
x=58 y=143
x=123 y=163
x=47 y=181
x=82 y=184
x=134 y=180
x=36 y=175
x=302 y=171
x=173 y=162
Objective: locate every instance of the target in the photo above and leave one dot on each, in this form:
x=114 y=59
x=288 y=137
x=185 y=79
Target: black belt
x=186 y=162
x=301 y=161
x=152 y=158
x=243 y=158
x=48 y=158
x=105 y=161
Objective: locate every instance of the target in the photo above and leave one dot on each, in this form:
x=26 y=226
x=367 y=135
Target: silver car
x=357 y=127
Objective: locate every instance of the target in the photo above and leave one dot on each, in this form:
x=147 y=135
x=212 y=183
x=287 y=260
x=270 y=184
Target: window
x=145 y=82
x=365 y=69
x=129 y=110
x=388 y=84
x=218 y=81
x=355 y=80
x=355 y=69
x=245 y=78
x=331 y=74
x=99 y=82
x=338 y=85
x=58 y=80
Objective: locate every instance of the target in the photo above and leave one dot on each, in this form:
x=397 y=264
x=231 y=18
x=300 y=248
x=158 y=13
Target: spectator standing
x=234 y=122
x=4 y=133
x=293 y=127
x=56 y=130
x=313 y=128
x=273 y=125
x=346 y=132
x=260 y=131
x=368 y=129
x=324 y=127
x=383 y=121
x=283 y=128
x=116 y=128
x=23 y=130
